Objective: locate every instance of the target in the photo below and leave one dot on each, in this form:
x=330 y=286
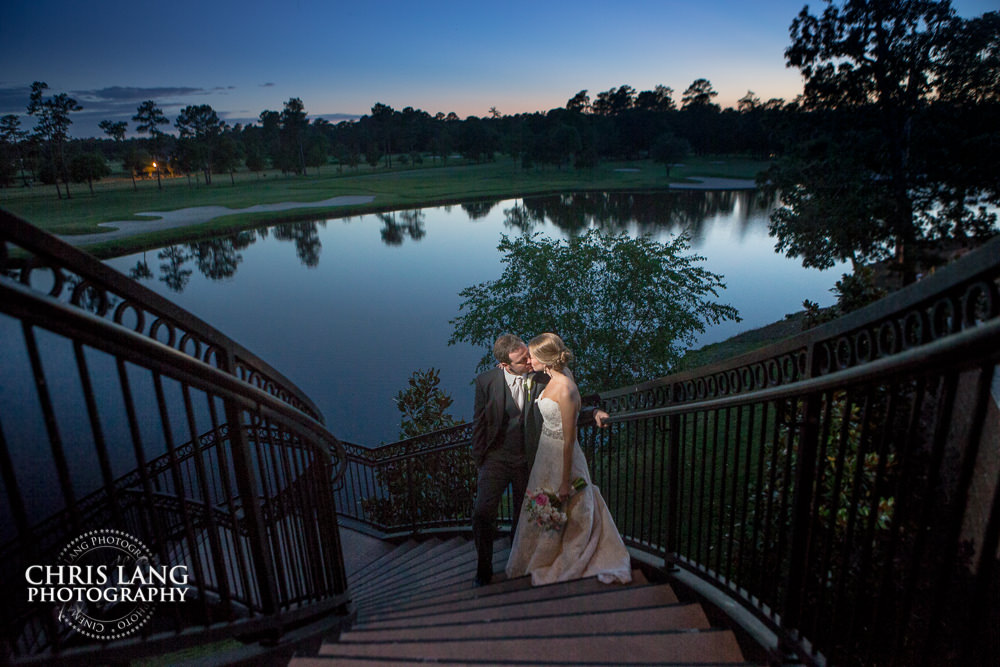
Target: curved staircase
x=417 y=604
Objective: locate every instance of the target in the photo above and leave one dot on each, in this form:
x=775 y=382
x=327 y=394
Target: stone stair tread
x=424 y=564
x=611 y=599
x=373 y=569
x=693 y=646
x=455 y=590
x=408 y=560
x=362 y=661
x=436 y=574
x=455 y=580
x=472 y=598
x=646 y=619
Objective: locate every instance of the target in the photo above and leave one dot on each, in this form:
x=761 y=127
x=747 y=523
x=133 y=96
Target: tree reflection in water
x=689 y=211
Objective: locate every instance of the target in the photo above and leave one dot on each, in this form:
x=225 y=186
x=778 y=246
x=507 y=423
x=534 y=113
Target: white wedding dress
x=589 y=545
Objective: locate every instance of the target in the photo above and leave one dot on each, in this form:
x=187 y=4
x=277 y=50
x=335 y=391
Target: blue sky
x=342 y=57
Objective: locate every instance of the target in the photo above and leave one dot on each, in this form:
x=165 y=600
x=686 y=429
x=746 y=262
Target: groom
x=505 y=432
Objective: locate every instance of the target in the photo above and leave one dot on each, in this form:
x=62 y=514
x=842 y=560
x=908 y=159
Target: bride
x=589 y=544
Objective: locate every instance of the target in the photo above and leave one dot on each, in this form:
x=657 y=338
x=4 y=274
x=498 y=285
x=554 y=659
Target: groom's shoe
x=481 y=581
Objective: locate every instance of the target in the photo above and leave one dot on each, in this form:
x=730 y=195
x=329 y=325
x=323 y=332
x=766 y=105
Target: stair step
x=647 y=619
x=692 y=647
x=455 y=580
x=362 y=661
x=470 y=598
x=458 y=591
x=404 y=560
x=373 y=570
x=424 y=564
x=607 y=600
x=424 y=573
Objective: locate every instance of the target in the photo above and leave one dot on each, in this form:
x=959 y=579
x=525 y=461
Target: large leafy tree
x=52 y=126
x=875 y=73
x=627 y=306
x=149 y=118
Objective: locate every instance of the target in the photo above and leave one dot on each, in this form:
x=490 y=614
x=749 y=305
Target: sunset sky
x=342 y=57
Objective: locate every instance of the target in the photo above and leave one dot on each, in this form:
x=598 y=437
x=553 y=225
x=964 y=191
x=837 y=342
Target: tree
x=149 y=117
x=659 y=99
x=11 y=136
x=52 y=126
x=627 y=306
x=424 y=405
x=116 y=130
x=614 y=101
x=579 y=102
x=876 y=75
x=668 y=149
x=430 y=486
x=382 y=116
x=699 y=95
x=88 y=167
x=227 y=155
x=293 y=124
x=200 y=128
x=748 y=102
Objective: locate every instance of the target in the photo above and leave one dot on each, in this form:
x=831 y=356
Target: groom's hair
x=506 y=344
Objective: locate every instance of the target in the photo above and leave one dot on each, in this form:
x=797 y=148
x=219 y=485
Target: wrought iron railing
x=122 y=411
x=415 y=485
x=842 y=485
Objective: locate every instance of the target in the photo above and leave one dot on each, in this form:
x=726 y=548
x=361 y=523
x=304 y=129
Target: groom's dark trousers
x=498 y=450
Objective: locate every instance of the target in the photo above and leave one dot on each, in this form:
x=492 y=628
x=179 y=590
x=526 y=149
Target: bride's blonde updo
x=551 y=351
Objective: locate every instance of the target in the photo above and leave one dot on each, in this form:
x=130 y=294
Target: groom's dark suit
x=504 y=442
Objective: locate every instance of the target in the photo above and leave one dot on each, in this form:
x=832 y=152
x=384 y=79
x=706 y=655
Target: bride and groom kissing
x=526 y=414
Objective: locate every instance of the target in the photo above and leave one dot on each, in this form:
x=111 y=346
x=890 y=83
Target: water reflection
x=399 y=225
x=637 y=212
x=652 y=213
x=305 y=236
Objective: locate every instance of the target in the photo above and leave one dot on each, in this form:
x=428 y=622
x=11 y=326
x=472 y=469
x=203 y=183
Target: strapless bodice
x=551 y=417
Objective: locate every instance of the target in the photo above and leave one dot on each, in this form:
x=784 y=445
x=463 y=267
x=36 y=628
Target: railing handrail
x=121 y=341
x=48 y=251
x=981 y=341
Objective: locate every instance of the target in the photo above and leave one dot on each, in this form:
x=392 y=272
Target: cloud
x=267 y=85
x=113 y=99
x=14 y=99
x=134 y=94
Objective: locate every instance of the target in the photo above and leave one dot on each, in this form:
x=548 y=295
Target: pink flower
x=542 y=499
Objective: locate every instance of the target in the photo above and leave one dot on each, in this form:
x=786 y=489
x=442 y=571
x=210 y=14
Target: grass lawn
x=115 y=198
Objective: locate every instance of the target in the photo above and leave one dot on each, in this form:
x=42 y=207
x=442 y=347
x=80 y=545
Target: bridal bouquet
x=545 y=509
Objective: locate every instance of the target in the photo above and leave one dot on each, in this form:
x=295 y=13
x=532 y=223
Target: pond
x=348 y=308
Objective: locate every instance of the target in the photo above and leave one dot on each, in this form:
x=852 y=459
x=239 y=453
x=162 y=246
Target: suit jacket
x=488 y=414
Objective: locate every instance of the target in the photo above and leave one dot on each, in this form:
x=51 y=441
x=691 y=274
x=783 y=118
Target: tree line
x=891 y=144
x=620 y=123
